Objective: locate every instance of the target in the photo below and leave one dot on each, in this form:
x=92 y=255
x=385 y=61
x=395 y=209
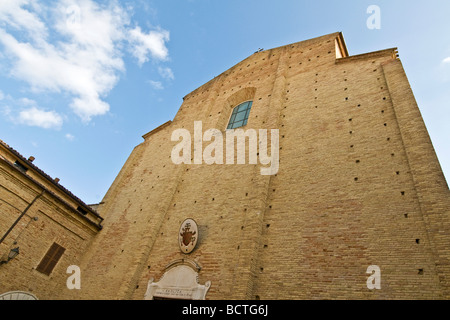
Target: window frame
x=245 y=119
x=50 y=259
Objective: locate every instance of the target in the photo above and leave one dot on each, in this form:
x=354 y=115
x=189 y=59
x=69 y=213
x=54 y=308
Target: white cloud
x=166 y=73
x=446 y=60
x=12 y=14
x=87 y=59
x=156 y=84
x=2 y=96
x=145 y=44
x=40 y=118
x=70 y=137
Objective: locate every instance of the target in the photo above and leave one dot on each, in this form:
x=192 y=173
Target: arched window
x=240 y=114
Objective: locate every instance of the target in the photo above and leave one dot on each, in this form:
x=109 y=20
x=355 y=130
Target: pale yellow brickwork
x=359 y=184
x=50 y=216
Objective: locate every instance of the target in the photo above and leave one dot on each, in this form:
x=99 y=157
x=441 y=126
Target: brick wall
x=358 y=185
x=49 y=220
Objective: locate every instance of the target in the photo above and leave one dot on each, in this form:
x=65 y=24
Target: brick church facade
x=357 y=184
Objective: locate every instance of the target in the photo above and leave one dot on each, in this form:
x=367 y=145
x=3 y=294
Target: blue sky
x=82 y=80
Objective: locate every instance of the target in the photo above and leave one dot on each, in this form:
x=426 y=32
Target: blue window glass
x=239 y=117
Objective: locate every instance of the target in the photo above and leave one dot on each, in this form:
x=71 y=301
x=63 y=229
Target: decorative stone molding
x=18 y=295
x=180 y=282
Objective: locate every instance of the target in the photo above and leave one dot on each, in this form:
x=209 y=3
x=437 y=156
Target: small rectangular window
x=50 y=259
x=82 y=211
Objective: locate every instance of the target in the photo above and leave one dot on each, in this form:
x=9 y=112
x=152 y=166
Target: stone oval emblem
x=188 y=236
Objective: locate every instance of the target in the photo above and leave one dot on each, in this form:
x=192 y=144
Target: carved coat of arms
x=188 y=236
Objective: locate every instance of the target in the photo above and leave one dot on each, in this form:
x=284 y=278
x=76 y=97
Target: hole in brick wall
x=356 y=179
x=270 y=207
x=357 y=161
x=148 y=267
x=384 y=98
x=351 y=132
x=238 y=247
x=388 y=139
x=137 y=287
x=351 y=146
x=262 y=269
x=403 y=193
x=346 y=98
x=242 y=228
x=266 y=246
x=392 y=154
x=246 y=194
x=420 y=271
x=257 y=297
x=397 y=172
x=406 y=215
x=212 y=199
x=268 y=225
x=382 y=111
x=418 y=241
x=385 y=124
x=350 y=119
